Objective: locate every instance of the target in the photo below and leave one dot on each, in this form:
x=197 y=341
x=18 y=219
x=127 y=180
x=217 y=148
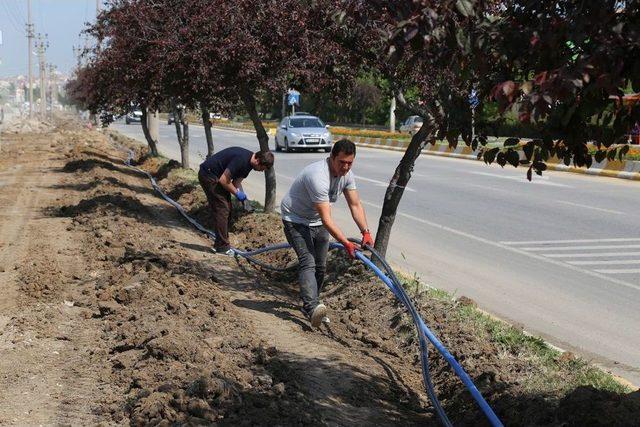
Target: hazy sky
x=62 y=20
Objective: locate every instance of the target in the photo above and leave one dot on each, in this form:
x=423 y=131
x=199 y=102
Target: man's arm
x=227 y=184
x=238 y=183
x=357 y=211
x=324 y=209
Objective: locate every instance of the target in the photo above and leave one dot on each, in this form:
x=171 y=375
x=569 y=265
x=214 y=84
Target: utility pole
x=41 y=46
x=53 y=87
x=29 y=53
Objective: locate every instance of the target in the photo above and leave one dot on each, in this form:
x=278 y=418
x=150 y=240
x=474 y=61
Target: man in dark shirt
x=221 y=176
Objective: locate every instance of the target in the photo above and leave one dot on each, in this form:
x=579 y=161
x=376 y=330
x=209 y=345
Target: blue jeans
x=311 y=244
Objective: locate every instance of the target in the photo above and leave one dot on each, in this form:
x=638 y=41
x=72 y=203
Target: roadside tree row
x=562 y=66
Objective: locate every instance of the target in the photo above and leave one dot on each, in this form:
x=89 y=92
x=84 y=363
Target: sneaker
x=317 y=314
x=228 y=252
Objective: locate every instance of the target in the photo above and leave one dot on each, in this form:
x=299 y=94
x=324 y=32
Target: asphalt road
x=559 y=256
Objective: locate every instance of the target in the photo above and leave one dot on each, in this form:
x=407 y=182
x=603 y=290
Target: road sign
x=474 y=101
x=293 y=97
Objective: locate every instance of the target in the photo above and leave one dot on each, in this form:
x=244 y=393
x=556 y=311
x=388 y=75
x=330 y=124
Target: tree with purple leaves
x=558 y=63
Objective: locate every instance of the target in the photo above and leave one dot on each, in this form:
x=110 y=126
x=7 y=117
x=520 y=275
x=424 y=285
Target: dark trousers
x=312 y=246
x=220 y=204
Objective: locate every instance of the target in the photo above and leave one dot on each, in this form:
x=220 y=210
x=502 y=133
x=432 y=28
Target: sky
x=62 y=20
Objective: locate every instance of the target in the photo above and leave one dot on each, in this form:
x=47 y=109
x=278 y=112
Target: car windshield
x=417 y=120
x=306 y=122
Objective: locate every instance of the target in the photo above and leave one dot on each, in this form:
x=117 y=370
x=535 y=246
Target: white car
x=303 y=133
x=134 y=116
x=412 y=125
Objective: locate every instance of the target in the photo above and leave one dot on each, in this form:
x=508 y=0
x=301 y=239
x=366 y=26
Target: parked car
x=303 y=133
x=134 y=116
x=411 y=125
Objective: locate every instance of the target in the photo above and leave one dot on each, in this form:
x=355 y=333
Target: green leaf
x=529 y=174
x=513 y=158
x=528 y=150
x=540 y=166
x=501 y=159
x=600 y=155
x=490 y=155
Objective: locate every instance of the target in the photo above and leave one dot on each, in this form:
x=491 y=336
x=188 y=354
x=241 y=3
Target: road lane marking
x=619 y=271
x=538 y=181
x=514 y=250
x=591 y=255
x=590 y=207
x=580 y=248
x=379 y=183
x=610 y=262
x=548 y=242
x=491 y=189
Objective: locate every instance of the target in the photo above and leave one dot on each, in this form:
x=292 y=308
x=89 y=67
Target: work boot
x=317 y=314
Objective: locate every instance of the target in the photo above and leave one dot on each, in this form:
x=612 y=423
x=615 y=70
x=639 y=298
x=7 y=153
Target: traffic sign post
x=474 y=101
x=293 y=99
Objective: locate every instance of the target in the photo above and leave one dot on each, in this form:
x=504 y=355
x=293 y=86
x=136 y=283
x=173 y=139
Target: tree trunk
x=263 y=139
x=398 y=182
x=182 y=131
x=153 y=146
x=206 y=122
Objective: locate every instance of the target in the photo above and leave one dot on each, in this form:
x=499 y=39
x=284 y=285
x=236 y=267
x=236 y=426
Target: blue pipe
x=397 y=290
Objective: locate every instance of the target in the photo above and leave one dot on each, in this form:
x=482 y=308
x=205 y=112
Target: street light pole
x=29 y=53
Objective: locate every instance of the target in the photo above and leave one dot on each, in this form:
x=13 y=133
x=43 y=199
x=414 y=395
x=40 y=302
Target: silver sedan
x=303 y=133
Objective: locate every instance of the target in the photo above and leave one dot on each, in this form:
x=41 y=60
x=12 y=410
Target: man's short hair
x=265 y=158
x=343 y=146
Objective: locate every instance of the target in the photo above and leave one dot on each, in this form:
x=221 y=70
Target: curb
x=626 y=169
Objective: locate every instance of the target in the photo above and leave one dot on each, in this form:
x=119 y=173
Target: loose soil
x=115 y=311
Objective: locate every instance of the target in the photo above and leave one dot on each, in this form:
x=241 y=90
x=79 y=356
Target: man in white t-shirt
x=306 y=214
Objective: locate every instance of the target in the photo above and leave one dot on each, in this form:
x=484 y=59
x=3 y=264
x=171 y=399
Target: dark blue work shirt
x=236 y=159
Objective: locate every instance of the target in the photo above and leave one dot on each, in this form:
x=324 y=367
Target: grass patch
x=556 y=370
x=187 y=175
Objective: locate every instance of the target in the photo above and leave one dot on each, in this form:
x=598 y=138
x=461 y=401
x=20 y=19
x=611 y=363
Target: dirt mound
x=24 y=125
x=160 y=331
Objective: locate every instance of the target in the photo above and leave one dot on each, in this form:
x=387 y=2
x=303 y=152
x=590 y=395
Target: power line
x=15 y=23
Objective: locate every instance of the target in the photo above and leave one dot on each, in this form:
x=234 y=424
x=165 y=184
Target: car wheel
x=327 y=150
x=286 y=145
x=277 y=145
x=127 y=121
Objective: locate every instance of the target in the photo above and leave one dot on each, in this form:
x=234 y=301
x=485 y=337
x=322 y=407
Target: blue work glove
x=241 y=196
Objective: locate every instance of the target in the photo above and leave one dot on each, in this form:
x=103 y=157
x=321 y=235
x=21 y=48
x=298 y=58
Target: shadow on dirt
x=86 y=165
x=278 y=308
x=97 y=182
x=116 y=204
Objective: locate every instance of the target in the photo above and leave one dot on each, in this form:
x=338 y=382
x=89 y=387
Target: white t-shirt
x=313 y=185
